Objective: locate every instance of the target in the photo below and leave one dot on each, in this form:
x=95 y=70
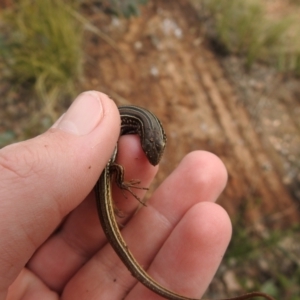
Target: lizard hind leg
x=118 y=171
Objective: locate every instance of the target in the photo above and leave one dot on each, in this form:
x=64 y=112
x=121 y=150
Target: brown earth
x=162 y=61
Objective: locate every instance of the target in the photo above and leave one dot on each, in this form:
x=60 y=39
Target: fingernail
x=83 y=116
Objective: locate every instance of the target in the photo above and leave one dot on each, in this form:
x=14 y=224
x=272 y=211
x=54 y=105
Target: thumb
x=43 y=179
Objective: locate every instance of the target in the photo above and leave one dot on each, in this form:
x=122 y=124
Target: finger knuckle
x=20 y=161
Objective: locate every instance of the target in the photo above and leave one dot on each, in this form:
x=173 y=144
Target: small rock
x=138 y=45
x=154 y=71
x=231 y=281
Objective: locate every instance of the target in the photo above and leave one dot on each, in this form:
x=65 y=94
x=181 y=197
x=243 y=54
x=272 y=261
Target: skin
x=49 y=222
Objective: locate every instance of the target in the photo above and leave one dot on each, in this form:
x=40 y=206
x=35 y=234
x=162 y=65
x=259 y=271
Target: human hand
x=51 y=242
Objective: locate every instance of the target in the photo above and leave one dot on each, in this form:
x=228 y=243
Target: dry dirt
x=162 y=61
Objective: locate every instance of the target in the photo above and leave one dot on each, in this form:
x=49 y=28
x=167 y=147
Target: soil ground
x=250 y=120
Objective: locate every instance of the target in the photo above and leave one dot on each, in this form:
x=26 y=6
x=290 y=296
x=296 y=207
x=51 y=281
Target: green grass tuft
x=126 y=8
x=244 y=28
x=269 y=258
x=40 y=47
